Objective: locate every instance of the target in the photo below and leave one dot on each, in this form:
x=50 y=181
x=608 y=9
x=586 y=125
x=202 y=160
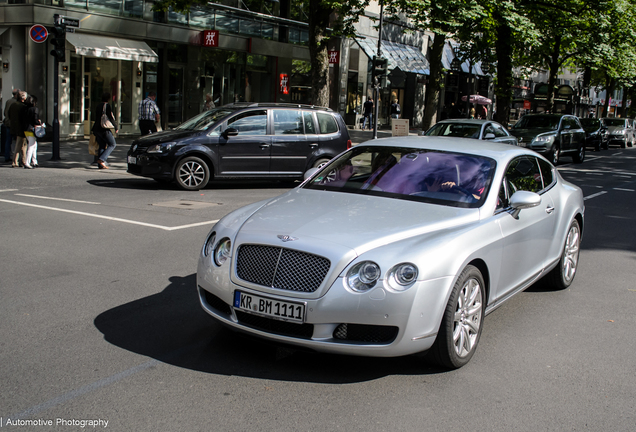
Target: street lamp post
x=376 y=83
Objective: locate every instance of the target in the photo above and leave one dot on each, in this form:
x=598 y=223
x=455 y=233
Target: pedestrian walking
x=395 y=109
x=368 y=114
x=32 y=118
x=17 y=114
x=6 y=124
x=209 y=103
x=104 y=122
x=148 y=114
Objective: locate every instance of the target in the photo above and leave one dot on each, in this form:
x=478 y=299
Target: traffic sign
x=38 y=33
x=68 y=21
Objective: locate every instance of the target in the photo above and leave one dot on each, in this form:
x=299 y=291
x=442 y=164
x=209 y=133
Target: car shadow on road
x=171 y=326
x=140 y=183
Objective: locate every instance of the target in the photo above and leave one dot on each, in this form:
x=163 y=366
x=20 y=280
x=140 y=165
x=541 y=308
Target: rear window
x=288 y=122
x=461 y=130
x=327 y=123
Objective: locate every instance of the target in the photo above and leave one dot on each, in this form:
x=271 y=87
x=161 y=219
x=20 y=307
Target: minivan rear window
x=327 y=123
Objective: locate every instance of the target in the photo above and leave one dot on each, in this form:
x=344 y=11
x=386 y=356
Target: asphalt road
x=100 y=323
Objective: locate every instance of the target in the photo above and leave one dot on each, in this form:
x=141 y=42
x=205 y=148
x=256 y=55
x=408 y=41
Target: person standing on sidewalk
x=32 y=120
x=102 y=134
x=395 y=109
x=368 y=114
x=148 y=114
x=8 y=140
x=17 y=114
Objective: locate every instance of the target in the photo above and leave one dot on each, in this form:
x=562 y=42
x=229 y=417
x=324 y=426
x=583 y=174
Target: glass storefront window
x=102 y=79
x=75 y=89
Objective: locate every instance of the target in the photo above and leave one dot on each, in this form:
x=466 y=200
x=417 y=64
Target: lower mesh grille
x=269 y=325
x=217 y=303
x=366 y=333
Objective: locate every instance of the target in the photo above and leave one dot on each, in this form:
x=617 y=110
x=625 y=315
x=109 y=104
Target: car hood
x=162 y=137
x=528 y=134
x=334 y=220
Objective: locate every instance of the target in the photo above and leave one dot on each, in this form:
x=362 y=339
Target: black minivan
x=241 y=140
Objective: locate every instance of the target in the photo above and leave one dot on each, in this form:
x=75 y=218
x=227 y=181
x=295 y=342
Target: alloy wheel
x=571 y=253
x=467 y=318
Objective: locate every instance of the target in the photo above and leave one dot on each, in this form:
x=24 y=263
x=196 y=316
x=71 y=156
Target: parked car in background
x=398 y=246
x=595 y=133
x=552 y=135
x=241 y=140
x=472 y=128
x=620 y=131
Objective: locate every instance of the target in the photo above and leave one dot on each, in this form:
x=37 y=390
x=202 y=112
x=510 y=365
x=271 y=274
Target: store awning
x=111 y=48
x=408 y=58
x=448 y=55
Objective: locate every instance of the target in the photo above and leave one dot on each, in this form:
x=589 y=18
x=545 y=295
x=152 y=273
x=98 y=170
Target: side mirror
x=310 y=172
x=523 y=200
x=229 y=132
x=489 y=136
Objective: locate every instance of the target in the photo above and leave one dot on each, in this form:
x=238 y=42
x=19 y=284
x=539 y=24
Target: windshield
x=462 y=130
x=590 y=123
x=205 y=119
x=538 y=122
x=445 y=178
x=615 y=122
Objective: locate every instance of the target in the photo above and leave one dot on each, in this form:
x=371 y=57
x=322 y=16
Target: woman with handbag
x=32 y=120
x=104 y=122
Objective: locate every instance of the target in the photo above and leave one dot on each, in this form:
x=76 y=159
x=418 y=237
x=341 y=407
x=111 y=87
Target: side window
x=547 y=172
x=308 y=119
x=489 y=130
x=327 y=123
x=523 y=174
x=288 y=122
x=250 y=123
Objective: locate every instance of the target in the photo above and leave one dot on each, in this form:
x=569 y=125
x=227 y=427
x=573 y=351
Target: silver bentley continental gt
x=396 y=246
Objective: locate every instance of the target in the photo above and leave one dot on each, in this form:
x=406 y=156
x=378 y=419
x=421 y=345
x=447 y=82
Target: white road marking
x=624 y=190
x=57 y=199
x=165 y=228
x=8 y=190
x=594 y=195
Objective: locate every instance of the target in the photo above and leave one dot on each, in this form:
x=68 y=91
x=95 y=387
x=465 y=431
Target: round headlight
x=222 y=251
x=363 y=276
x=402 y=276
x=208 y=247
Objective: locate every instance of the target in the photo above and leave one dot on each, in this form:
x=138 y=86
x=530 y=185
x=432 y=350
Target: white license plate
x=276 y=309
x=132 y=160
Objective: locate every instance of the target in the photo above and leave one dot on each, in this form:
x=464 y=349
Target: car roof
x=493 y=150
x=239 y=105
x=467 y=121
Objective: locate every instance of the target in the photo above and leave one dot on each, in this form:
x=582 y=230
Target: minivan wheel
x=321 y=162
x=580 y=155
x=192 y=173
x=556 y=153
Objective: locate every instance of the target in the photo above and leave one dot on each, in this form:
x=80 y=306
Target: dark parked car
x=595 y=133
x=241 y=140
x=472 y=128
x=620 y=131
x=551 y=135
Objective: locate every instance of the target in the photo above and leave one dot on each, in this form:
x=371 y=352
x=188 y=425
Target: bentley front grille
x=281 y=268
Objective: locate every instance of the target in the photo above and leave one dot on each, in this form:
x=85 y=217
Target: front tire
x=556 y=154
x=563 y=274
x=461 y=325
x=579 y=157
x=192 y=173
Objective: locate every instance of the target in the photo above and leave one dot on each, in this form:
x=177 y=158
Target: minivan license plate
x=132 y=160
x=276 y=309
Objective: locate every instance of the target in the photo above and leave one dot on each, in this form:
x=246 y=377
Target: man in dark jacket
x=17 y=115
x=6 y=134
x=368 y=114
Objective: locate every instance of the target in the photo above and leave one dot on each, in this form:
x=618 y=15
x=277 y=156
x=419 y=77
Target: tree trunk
x=319 y=53
x=504 y=80
x=434 y=82
x=554 y=72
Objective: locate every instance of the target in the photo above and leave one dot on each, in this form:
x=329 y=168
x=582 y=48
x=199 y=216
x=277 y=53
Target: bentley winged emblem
x=286 y=238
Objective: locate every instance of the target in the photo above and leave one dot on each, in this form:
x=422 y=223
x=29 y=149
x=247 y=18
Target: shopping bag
x=93 y=147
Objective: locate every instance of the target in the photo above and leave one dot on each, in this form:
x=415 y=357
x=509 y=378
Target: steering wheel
x=461 y=190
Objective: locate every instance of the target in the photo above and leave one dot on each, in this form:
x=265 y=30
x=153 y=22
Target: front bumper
x=150 y=165
x=379 y=323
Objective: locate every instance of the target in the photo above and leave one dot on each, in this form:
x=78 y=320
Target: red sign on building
x=527 y=104
x=284 y=83
x=210 y=38
x=334 y=57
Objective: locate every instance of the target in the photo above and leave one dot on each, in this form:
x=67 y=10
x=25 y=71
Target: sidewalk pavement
x=74 y=153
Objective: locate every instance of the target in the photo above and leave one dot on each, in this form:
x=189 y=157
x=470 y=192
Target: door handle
x=549 y=210
x=264 y=146
x=313 y=145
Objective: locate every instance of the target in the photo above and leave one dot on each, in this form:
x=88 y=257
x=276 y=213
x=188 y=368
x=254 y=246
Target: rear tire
x=461 y=325
x=321 y=162
x=563 y=274
x=192 y=173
